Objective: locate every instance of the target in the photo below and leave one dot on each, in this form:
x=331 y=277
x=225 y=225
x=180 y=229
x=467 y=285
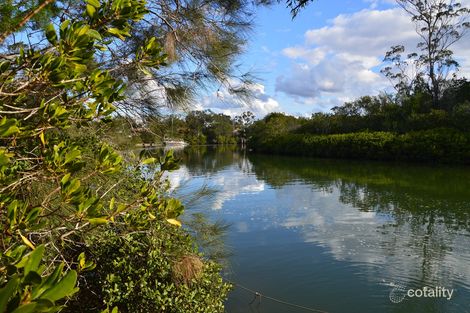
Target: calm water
x=335 y=235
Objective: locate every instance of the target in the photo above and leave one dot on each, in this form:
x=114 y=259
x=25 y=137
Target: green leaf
x=72 y=155
x=51 y=35
x=80 y=68
x=32 y=278
x=44 y=305
x=90 y=10
x=33 y=214
x=117 y=32
x=63 y=27
x=72 y=187
x=174 y=207
x=97 y=221
x=85 y=205
x=17 y=252
x=149 y=161
x=65 y=287
x=82 y=30
x=43 y=140
x=59 y=110
x=173 y=221
x=4 y=66
x=49 y=282
x=94 y=34
x=94 y=3
x=12 y=210
x=111 y=204
x=34 y=259
x=26 y=308
x=27 y=242
x=81 y=260
x=7 y=292
x=8 y=127
x=5 y=157
x=65 y=179
x=168 y=162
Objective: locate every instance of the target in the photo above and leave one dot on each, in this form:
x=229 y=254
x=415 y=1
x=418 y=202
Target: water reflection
x=347 y=229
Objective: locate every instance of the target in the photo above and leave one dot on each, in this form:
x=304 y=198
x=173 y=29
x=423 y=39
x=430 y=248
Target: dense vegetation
x=196 y=128
x=376 y=128
x=86 y=226
x=426 y=119
x=440 y=145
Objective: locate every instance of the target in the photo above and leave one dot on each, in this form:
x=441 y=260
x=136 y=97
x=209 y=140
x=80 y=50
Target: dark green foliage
x=272 y=126
x=67 y=194
x=455 y=95
x=221 y=128
x=242 y=124
x=147 y=137
x=120 y=132
x=461 y=115
x=381 y=113
x=196 y=128
x=25 y=273
x=138 y=273
x=436 y=145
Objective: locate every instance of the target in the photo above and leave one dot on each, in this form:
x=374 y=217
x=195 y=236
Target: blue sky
x=330 y=53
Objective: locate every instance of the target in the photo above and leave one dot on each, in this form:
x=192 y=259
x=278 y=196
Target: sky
x=329 y=54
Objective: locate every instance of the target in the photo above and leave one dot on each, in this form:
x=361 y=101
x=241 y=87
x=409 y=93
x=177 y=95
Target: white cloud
x=375 y=3
x=313 y=56
x=335 y=76
x=223 y=102
x=365 y=33
x=342 y=60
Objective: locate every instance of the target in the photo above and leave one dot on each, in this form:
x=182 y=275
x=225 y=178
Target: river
x=335 y=235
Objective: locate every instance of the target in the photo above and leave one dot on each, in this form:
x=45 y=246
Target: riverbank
x=442 y=145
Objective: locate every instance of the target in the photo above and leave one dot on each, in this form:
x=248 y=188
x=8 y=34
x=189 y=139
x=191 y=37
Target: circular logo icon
x=398 y=293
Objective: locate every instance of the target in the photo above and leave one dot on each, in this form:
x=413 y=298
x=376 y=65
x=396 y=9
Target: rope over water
x=260 y=295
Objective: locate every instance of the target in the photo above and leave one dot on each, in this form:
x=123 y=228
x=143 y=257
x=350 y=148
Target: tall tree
x=202 y=40
x=242 y=123
x=439 y=24
x=69 y=202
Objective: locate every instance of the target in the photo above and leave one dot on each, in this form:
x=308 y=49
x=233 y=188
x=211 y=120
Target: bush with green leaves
x=140 y=272
x=67 y=196
x=435 y=145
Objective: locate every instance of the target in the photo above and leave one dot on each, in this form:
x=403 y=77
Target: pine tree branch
x=25 y=19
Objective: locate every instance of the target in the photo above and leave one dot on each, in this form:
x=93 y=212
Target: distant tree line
x=195 y=128
x=376 y=127
x=427 y=118
x=381 y=113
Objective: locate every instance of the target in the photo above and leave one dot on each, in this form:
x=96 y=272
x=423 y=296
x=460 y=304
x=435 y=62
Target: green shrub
x=436 y=145
x=152 y=270
x=73 y=207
